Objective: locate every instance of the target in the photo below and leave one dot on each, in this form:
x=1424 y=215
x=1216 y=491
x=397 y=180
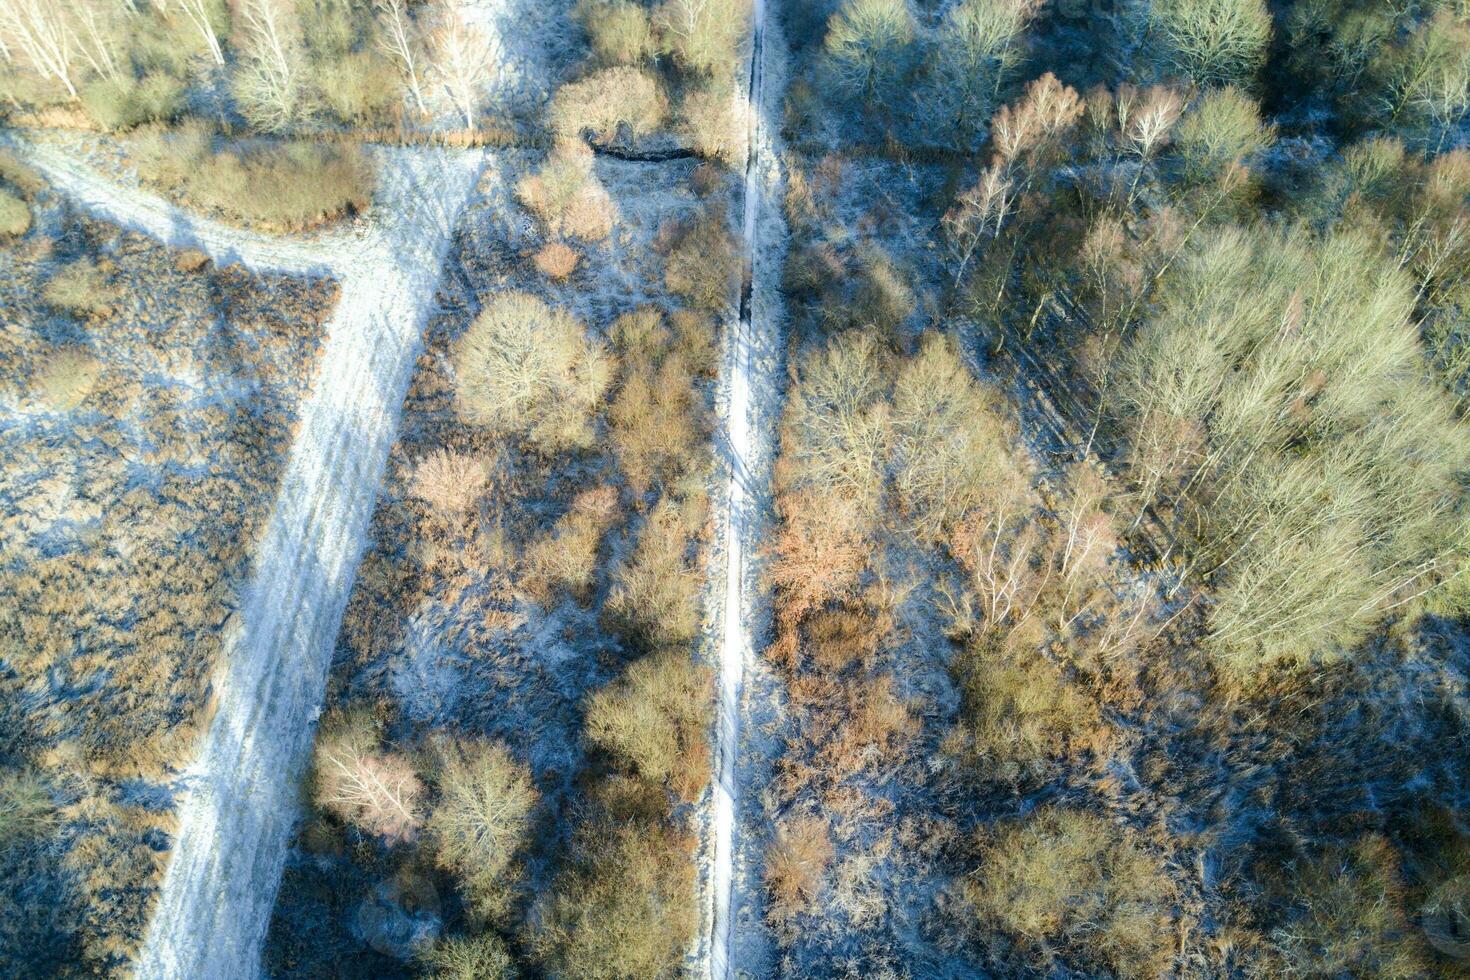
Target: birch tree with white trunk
x=463 y=57
x=400 y=41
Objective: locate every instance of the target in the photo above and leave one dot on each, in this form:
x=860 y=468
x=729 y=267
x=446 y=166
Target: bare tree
x=268 y=82
x=400 y=42
x=40 y=31
x=463 y=56
x=378 y=791
x=868 y=43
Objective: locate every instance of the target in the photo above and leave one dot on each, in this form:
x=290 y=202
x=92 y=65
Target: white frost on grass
x=240 y=802
x=750 y=402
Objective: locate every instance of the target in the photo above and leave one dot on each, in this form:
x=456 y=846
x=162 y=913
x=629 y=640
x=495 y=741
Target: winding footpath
x=240 y=793
x=750 y=395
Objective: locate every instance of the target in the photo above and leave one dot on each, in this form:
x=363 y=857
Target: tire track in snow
x=750 y=394
x=240 y=792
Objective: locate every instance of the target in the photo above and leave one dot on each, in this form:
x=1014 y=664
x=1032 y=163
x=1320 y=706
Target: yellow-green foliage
x=288 y=185
x=1067 y=883
x=527 y=368
x=656 y=719
x=15 y=216
x=481 y=820
x=1278 y=405
x=627 y=909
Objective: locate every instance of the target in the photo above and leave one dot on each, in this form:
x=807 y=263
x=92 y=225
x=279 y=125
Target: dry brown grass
x=133 y=499
x=796 y=868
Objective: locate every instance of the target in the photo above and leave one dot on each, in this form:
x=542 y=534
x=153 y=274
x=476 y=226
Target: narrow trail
x=240 y=792
x=750 y=388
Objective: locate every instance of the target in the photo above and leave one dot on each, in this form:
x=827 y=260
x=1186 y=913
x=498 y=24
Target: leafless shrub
x=479 y=957
x=620 y=31
x=481 y=820
x=1347 y=915
x=66 y=379
x=449 y=482
x=704 y=265
x=567 y=196
x=796 y=867
x=15 y=216
x=1068 y=880
x=26 y=810
x=711 y=120
x=656 y=719
x=603 y=101
x=463 y=57
x=557 y=261
x=527 y=368
x=704 y=35
x=626 y=909
x=655 y=596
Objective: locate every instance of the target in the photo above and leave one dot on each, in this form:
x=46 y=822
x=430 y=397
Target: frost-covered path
x=239 y=805
x=750 y=395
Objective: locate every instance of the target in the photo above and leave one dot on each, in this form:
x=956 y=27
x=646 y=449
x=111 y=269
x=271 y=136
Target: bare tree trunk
x=399 y=41
x=198 y=15
x=463 y=58
x=40 y=30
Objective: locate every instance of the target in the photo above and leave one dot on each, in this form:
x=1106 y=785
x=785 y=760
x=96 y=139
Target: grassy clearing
x=290 y=185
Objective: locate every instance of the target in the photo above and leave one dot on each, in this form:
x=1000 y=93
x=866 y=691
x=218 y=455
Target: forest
x=735 y=488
